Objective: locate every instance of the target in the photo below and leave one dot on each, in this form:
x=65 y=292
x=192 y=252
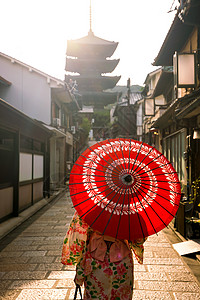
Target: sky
x=36 y=32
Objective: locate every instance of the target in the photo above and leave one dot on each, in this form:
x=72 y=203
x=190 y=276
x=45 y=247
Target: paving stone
x=53 y=218
x=163 y=261
x=19 y=248
x=54 y=253
x=9 y=294
x=41 y=243
x=152 y=245
x=40 y=234
x=60 y=228
x=46 y=223
x=50 y=247
x=14 y=260
x=148 y=254
x=39 y=226
x=65 y=283
x=18 y=267
x=139 y=268
x=149 y=295
x=65 y=222
x=181 y=276
x=56 y=239
x=28 y=239
x=169 y=286
x=160 y=238
x=49 y=242
x=69 y=268
x=37 y=294
x=58 y=259
x=187 y=296
x=50 y=213
x=11 y=254
x=41 y=259
x=1 y=274
x=32 y=284
x=34 y=253
x=25 y=275
x=4 y=284
x=61 y=274
x=36 y=225
x=150 y=276
x=61 y=234
x=165 y=253
x=21 y=242
x=167 y=269
x=49 y=267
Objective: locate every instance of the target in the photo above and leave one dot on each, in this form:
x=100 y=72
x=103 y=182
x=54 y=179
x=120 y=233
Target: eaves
x=167 y=117
x=176 y=37
x=190 y=110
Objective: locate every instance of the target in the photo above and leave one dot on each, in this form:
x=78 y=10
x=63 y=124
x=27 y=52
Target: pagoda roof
x=95 y=66
x=99 y=99
x=91 y=46
x=93 y=83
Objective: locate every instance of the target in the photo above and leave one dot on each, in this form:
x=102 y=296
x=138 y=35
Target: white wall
x=160 y=100
x=139 y=120
x=29 y=92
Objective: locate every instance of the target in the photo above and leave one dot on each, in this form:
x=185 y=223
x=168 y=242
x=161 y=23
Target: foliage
x=86 y=126
x=101 y=118
x=196 y=189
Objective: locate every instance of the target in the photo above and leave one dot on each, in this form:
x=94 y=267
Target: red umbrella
x=124 y=188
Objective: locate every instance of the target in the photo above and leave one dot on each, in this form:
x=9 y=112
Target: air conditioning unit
x=56 y=122
x=73 y=129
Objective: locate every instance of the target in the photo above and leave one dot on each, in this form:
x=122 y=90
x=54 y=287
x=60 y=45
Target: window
x=173 y=149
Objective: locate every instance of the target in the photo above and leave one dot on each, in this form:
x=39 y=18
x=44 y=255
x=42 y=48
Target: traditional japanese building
x=89 y=58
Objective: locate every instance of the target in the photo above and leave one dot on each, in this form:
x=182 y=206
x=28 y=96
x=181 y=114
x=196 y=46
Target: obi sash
x=97 y=246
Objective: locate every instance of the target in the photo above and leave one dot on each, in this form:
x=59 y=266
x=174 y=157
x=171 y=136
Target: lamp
x=154 y=130
x=139 y=130
x=149 y=107
x=185 y=70
x=196 y=134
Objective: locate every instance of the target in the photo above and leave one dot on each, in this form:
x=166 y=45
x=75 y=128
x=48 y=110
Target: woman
x=103 y=264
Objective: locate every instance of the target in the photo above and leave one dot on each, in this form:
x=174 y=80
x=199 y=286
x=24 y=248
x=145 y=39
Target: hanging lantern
x=149 y=107
x=185 y=70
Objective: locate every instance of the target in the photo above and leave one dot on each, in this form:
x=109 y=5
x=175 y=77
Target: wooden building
x=178 y=126
x=24 y=161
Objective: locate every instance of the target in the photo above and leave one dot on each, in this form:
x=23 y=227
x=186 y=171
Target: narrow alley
x=30 y=267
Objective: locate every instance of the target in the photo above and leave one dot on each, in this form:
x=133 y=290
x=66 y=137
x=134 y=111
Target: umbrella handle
x=78 y=288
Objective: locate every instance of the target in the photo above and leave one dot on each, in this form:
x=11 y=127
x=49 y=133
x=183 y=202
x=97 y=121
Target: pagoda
x=88 y=57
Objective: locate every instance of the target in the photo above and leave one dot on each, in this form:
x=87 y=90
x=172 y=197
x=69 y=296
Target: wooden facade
x=24 y=161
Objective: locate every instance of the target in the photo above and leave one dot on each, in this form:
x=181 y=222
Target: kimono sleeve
x=138 y=248
x=74 y=242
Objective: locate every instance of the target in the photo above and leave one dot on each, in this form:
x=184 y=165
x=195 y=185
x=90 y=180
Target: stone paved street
x=30 y=267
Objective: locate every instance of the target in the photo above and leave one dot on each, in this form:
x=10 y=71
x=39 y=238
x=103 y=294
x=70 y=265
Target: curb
x=182 y=239
x=12 y=223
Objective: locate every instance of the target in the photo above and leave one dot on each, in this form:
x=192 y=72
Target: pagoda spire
x=90 y=17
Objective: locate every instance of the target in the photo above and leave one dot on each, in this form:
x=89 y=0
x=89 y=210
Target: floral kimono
x=103 y=264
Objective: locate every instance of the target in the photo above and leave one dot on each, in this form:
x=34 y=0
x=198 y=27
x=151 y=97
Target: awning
x=190 y=110
x=4 y=81
x=57 y=132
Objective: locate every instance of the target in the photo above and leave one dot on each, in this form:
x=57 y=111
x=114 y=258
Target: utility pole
x=128 y=91
x=128 y=99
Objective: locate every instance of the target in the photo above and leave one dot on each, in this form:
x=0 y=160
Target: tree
x=102 y=118
x=86 y=126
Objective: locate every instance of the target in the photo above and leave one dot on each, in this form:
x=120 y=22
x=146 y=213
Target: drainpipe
x=188 y=164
